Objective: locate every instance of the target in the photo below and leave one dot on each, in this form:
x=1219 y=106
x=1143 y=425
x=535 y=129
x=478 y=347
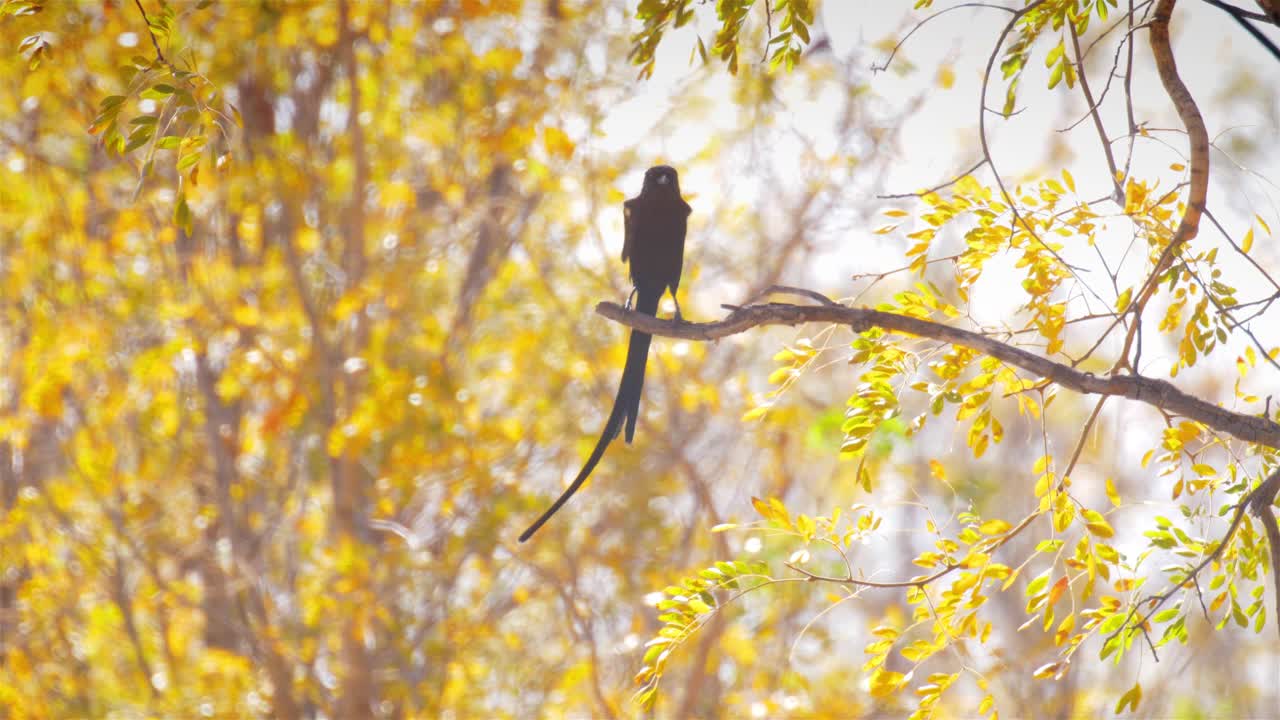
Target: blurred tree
x=292 y=334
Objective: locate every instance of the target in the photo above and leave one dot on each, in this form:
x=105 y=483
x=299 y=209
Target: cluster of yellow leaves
x=1065 y=599
x=227 y=328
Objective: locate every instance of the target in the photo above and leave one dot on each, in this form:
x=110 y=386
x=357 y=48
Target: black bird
x=655 y=222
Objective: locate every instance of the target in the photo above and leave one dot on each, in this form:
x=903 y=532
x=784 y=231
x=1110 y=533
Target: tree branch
x=1097 y=116
x=154 y=43
x=1198 y=139
x=1152 y=391
x=1244 y=16
x=1257 y=500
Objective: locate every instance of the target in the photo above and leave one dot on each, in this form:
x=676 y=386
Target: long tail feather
x=610 y=432
x=637 y=358
x=626 y=406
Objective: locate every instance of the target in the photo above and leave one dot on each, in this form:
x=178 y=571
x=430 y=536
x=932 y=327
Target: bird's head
x=661 y=179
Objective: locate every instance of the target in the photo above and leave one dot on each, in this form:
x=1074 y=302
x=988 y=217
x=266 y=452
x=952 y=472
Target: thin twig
x=1227 y=236
x=917 y=582
x=1243 y=17
x=155 y=43
x=936 y=188
x=1111 y=74
x=1236 y=12
x=1097 y=117
x=879 y=68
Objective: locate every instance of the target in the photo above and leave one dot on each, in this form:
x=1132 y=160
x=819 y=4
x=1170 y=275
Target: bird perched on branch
x=655 y=222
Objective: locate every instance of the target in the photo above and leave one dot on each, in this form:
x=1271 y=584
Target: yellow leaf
x=1188 y=431
x=1112 y=494
x=780 y=375
x=1131 y=698
x=805 y=525
x=45 y=395
x=397 y=194
x=501 y=60
x=762 y=507
x=1097 y=524
x=995 y=527
x=1041 y=463
x=308 y=240
x=886 y=682
x=886 y=632
x=937 y=471
x=1059 y=587
x=454 y=194
x=557 y=143
x=1064 y=629
x=246 y=315
x=1122 y=302
x=946 y=77
x=1046 y=671
x=1247 y=244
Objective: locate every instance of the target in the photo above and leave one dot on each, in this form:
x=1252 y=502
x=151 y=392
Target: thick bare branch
x=1152 y=391
x=1198 y=138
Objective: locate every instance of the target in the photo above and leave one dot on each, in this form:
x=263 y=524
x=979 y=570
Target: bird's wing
x=627 y=231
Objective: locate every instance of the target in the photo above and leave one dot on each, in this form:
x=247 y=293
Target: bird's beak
x=663 y=179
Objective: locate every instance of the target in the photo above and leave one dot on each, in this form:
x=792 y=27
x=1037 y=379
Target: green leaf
x=182 y=213
x=188 y=160
x=139 y=138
